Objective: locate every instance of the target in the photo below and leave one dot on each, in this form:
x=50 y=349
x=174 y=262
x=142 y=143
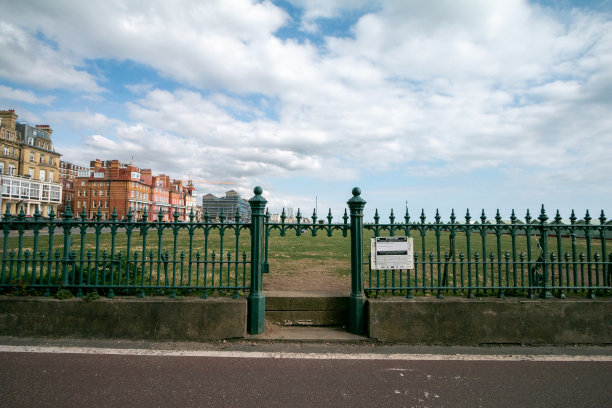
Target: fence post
x=357 y=298
x=256 y=299
x=67 y=243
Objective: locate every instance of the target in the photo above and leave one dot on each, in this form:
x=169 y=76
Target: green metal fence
x=530 y=257
x=124 y=257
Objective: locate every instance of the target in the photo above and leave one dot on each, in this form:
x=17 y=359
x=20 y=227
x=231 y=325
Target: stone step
x=274 y=333
x=306 y=309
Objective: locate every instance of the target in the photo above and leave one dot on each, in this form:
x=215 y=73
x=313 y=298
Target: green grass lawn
x=289 y=254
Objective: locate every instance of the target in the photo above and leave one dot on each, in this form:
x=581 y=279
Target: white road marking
x=306 y=356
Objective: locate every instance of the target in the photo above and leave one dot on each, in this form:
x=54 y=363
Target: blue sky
x=441 y=104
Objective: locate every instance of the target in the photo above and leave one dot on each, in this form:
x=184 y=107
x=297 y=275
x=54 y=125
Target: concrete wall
x=460 y=321
x=149 y=318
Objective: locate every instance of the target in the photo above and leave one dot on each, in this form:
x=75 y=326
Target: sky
x=446 y=104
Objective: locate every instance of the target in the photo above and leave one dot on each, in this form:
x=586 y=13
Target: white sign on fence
x=392 y=253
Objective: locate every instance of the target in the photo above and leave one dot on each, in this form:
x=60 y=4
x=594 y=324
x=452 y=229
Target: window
x=11 y=169
x=32 y=157
x=42 y=175
x=55 y=193
x=31 y=172
x=79 y=193
x=42 y=159
x=99 y=174
x=84 y=204
x=45 y=192
x=35 y=190
x=82 y=184
x=78 y=204
x=95 y=193
x=93 y=204
x=31 y=141
x=106 y=204
x=1 y=167
x=6 y=151
x=101 y=193
x=95 y=183
x=51 y=174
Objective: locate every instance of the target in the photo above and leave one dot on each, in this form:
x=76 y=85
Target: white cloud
x=21 y=95
x=431 y=86
x=26 y=60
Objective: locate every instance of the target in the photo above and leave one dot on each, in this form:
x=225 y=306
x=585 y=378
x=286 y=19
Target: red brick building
x=112 y=185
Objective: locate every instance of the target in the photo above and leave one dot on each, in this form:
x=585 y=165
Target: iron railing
x=124 y=257
x=534 y=257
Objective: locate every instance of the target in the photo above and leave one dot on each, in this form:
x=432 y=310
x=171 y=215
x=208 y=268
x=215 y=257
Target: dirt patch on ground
x=308 y=275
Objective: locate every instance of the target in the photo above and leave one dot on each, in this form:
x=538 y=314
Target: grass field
x=291 y=255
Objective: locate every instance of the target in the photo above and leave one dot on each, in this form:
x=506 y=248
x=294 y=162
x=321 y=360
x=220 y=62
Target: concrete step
x=275 y=333
x=307 y=308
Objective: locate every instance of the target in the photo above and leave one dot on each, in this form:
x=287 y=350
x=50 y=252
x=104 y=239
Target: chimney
x=46 y=128
x=9 y=118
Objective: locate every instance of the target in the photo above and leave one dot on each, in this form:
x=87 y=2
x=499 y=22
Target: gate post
x=357 y=298
x=256 y=300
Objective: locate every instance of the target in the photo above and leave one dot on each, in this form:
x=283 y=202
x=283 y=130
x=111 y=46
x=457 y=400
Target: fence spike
x=130 y=214
x=542 y=217
x=602 y=218
x=407 y=215
x=527 y=217
x=498 y=217
x=52 y=214
x=329 y=217
x=483 y=217
x=68 y=212
x=573 y=217
x=558 y=217
x=587 y=218
x=468 y=217
x=99 y=215
x=113 y=215
x=83 y=214
x=513 y=217
x=437 y=217
x=392 y=217
x=376 y=217
x=452 y=216
x=422 y=216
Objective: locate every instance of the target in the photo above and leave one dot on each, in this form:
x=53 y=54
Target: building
x=68 y=173
x=228 y=205
x=112 y=186
x=29 y=167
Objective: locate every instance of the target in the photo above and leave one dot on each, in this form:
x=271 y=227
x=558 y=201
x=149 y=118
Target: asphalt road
x=145 y=378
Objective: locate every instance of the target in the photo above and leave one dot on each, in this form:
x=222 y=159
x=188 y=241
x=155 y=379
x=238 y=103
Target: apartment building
x=228 y=206
x=110 y=185
x=68 y=173
x=29 y=167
